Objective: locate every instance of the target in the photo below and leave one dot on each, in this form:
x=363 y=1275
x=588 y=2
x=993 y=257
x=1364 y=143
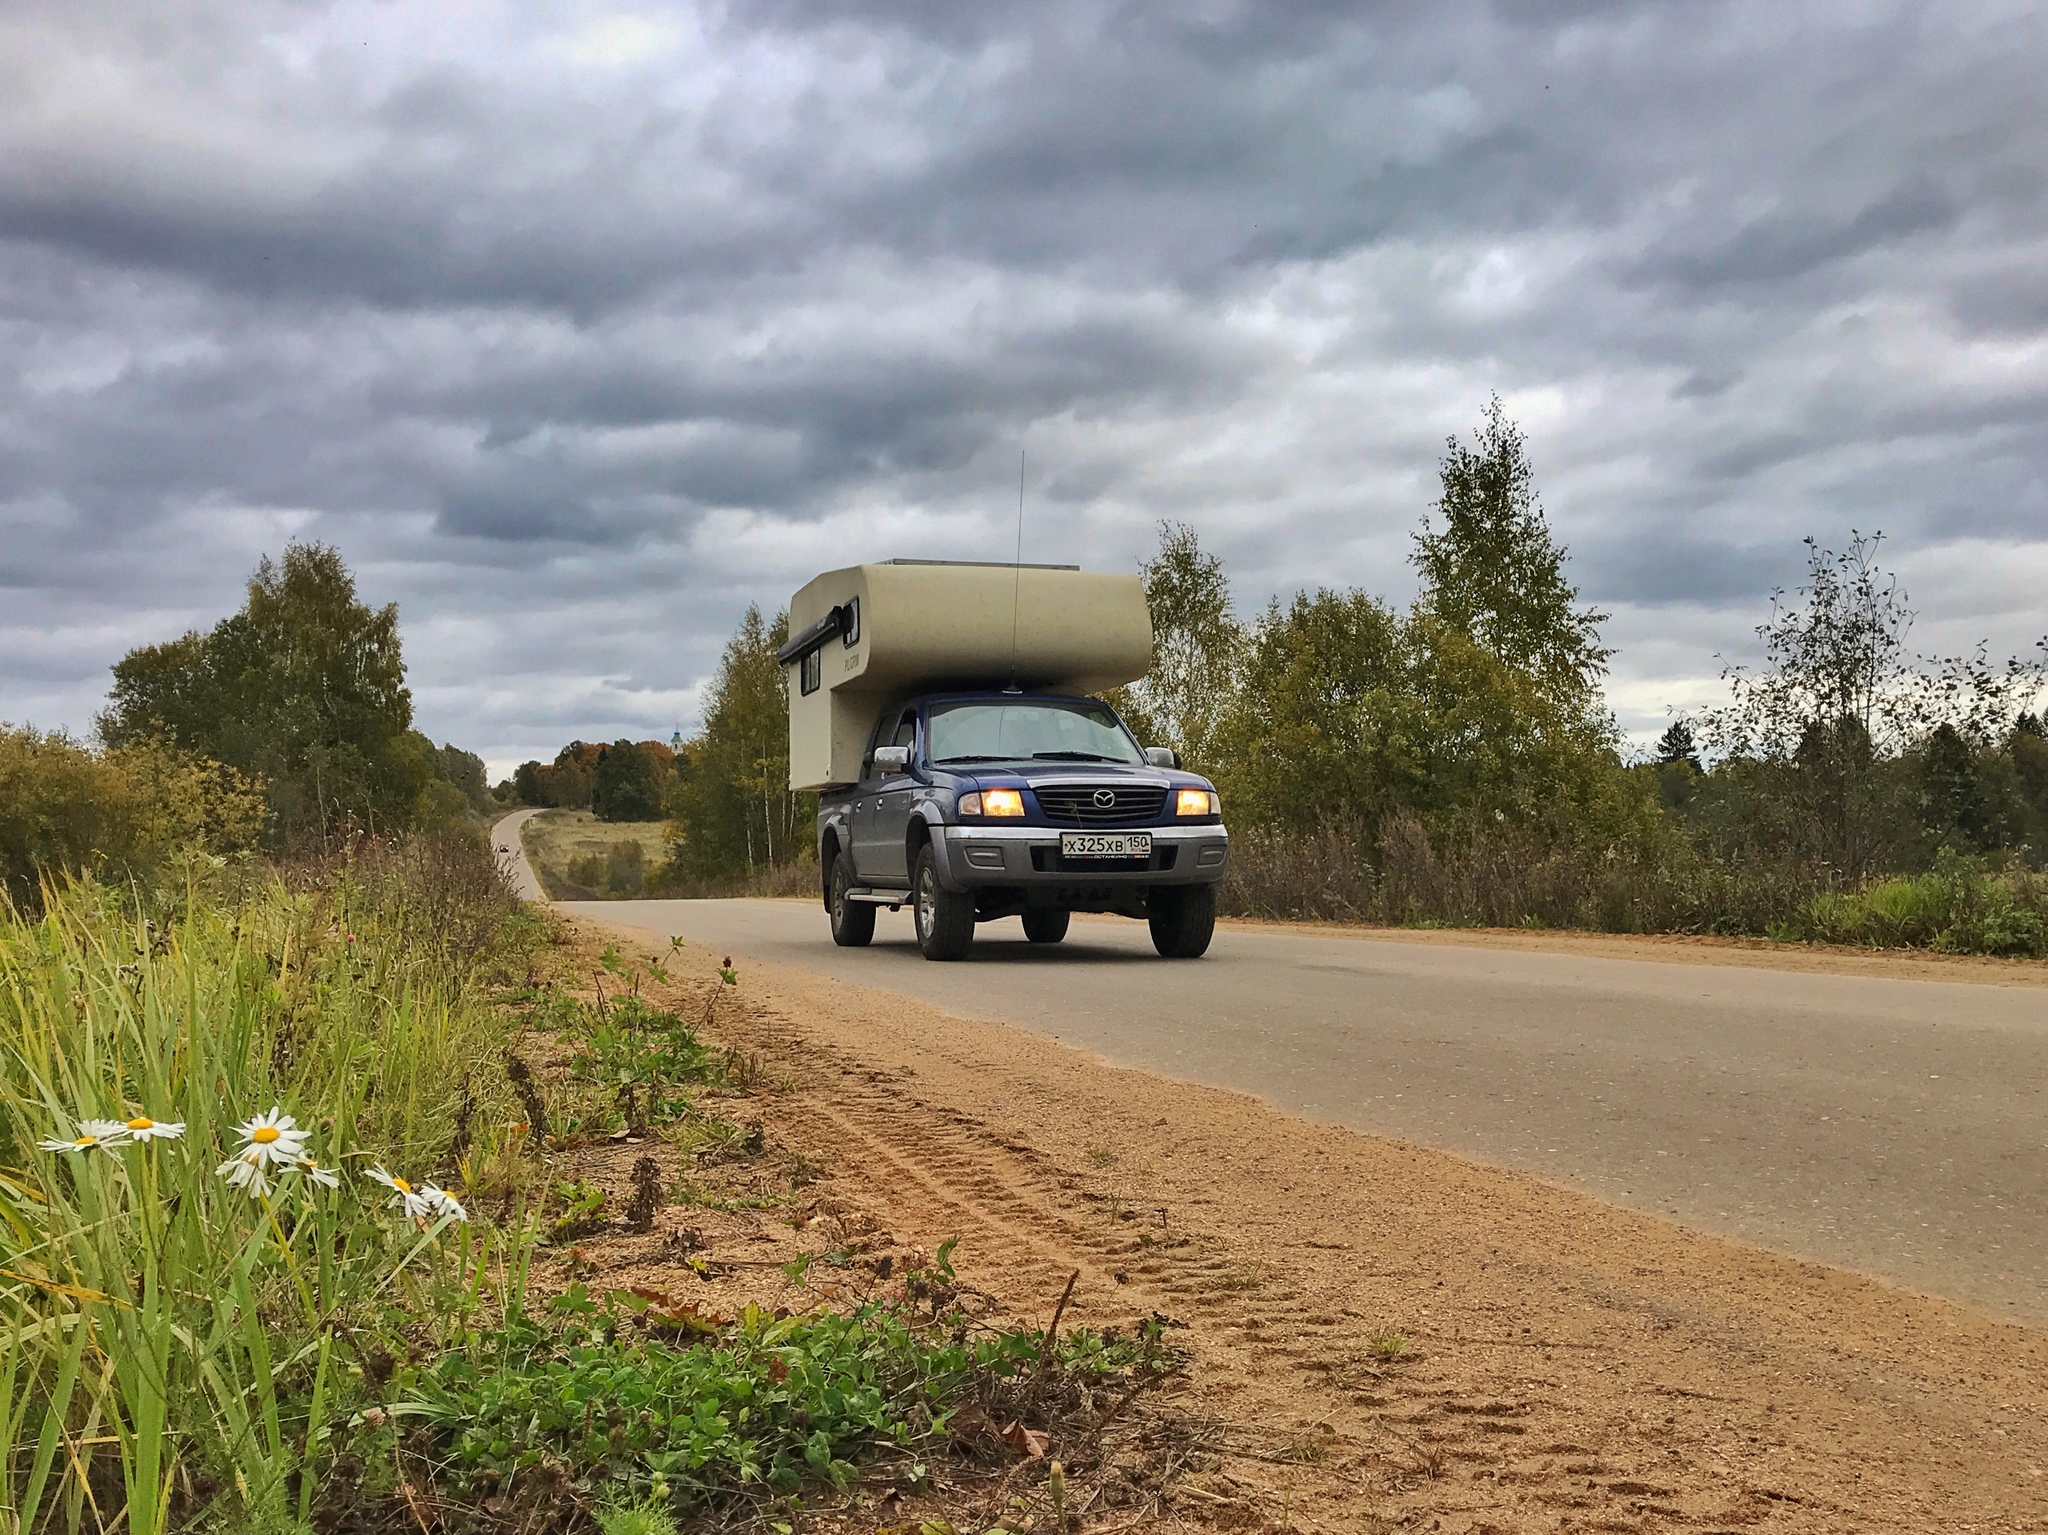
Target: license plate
x=1096 y=844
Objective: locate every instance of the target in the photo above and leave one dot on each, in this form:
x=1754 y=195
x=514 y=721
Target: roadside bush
x=799 y=877
x=1957 y=906
x=1507 y=876
x=129 y=814
x=619 y=873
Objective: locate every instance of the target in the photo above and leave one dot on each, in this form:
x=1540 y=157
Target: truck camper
x=942 y=711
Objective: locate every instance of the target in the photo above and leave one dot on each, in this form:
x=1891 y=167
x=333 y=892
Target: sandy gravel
x=1568 y=1365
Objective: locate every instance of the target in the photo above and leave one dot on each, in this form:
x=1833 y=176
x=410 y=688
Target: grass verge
x=208 y=1111
x=307 y=1179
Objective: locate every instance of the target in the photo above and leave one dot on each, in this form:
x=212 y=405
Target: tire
x=945 y=921
x=853 y=922
x=1183 y=920
x=1044 y=925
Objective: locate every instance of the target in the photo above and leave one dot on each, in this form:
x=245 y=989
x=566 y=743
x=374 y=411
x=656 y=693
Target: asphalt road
x=505 y=834
x=1893 y=1127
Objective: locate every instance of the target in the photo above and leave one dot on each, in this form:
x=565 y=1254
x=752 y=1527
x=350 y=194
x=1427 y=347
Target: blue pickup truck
x=972 y=806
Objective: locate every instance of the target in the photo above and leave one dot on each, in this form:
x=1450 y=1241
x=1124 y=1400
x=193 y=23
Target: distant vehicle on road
x=1019 y=796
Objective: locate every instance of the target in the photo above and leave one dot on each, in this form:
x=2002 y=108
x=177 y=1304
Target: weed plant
x=635 y=1068
x=765 y=1403
x=194 y=1246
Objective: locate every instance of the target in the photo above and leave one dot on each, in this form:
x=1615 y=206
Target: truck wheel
x=945 y=921
x=853 y=922
x=1042 y=925
x=1183 y=920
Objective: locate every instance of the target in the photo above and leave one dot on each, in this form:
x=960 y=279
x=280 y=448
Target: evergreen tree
x=1954 y=805
x=1493 y=571
x=1677 y=745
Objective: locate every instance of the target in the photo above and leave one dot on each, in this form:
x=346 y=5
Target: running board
x=895 y=900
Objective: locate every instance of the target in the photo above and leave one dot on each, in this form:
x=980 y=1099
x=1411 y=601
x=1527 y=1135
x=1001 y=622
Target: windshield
x=1057 y=730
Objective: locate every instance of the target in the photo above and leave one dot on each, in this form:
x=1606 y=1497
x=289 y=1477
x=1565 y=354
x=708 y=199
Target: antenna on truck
x=1017 y=572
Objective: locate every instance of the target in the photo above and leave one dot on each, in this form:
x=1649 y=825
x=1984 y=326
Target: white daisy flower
x=326 y=1178
x=271 y=1138
x=414 y=1202
x=143 y=1128
x=444 y=1202
x=247 y=1171
x=101 y=1134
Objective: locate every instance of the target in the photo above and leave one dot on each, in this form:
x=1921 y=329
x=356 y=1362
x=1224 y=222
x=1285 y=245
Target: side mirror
x=892 y=759
x=1162 y=757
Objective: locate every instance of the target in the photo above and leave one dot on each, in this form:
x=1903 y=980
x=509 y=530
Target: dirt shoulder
x=1562 y=1364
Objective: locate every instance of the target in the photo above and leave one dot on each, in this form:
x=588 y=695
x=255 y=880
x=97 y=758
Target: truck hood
x=1050 y=773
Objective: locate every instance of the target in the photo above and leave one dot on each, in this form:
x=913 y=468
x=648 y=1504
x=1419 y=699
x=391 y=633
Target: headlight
x=1194 y=802
x=993 y=802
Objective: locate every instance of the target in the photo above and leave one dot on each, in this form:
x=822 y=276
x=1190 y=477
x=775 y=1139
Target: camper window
x=811 y=672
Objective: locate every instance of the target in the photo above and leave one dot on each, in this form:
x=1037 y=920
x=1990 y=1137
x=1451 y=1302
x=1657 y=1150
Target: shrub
x=126 y=815
x=1507 y=876
x=1958 y=906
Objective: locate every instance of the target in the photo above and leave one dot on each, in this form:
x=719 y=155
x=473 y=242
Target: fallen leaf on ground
x=1027 y=1442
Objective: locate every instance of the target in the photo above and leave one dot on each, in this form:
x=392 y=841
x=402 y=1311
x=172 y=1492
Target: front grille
x=1076 y=804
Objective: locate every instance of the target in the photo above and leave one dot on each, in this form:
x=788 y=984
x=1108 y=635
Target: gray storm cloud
x=578 y=327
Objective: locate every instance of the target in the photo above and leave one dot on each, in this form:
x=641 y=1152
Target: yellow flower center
x=401 y=1185
x=87 y=1140
x=142 y=1124
x=264 y=1135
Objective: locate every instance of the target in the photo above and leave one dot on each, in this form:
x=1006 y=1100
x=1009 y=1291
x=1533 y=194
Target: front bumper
x=1028 y=857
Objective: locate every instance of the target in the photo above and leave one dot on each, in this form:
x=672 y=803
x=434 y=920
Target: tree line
x=1455 y=761
x=285 y=727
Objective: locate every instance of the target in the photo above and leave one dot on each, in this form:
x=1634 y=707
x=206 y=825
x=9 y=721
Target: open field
x=1390 y=1336
x=557 y=841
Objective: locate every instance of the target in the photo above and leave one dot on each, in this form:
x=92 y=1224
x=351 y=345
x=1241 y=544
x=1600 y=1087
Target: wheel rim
x=927 y=901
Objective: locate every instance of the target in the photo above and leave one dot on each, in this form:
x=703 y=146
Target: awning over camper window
x=842 y=620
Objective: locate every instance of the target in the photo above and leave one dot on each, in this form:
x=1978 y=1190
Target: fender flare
x=928 y=824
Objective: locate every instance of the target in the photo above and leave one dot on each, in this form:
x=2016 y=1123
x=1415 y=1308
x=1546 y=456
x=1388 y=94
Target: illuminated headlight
x=993 y=802
x=1194 y=802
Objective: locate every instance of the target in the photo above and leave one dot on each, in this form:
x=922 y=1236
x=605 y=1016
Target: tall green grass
x=168 y=1343
x=1958 y=906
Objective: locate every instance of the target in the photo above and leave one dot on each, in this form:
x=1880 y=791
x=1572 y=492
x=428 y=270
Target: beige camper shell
x=868 y=636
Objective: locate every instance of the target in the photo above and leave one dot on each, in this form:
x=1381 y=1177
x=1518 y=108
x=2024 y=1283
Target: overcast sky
x=578 y=327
